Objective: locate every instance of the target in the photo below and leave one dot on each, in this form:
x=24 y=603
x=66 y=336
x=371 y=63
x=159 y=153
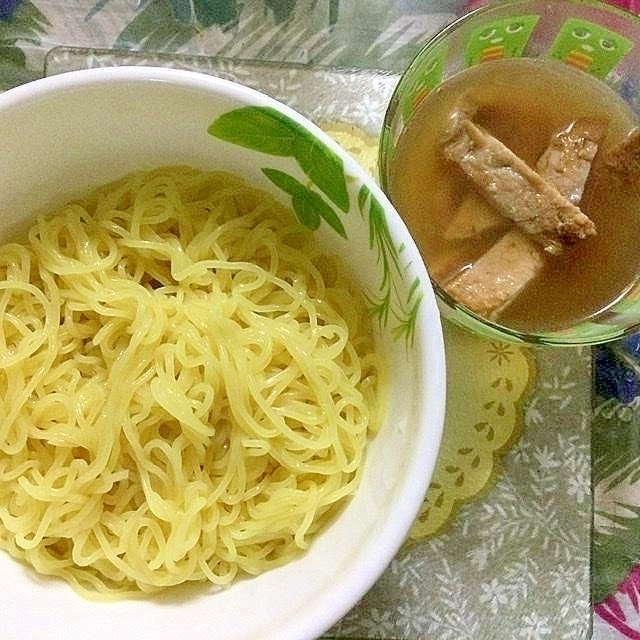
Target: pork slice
x=473 y=217
x=515 y=189
x=566 y=162
x=446 y=265
x=624 y=158
x=494 y=280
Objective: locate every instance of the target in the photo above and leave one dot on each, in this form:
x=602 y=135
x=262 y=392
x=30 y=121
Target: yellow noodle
x=186 y=386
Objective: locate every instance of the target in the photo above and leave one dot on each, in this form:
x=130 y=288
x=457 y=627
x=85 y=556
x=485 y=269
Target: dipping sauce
x=522 y=103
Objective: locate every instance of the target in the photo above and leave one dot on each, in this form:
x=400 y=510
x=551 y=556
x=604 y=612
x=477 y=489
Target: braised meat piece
x=624 y=159
x=515 y=189
x=566 y=163
x=473 y=217
x=493 y=281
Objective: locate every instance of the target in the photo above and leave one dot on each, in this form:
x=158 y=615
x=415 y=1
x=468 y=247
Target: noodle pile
x=187 y=386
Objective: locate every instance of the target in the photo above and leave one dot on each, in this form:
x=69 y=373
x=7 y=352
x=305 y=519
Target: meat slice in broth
x=493 y=281
x=473 y=217
x=515 y=189
x=538 y=202
x=566 y=163
x=624 y=159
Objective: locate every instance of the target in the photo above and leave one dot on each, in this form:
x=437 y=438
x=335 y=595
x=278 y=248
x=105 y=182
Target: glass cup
x=590 y=36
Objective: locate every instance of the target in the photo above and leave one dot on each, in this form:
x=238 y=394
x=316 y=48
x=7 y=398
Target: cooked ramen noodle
x=187 y=386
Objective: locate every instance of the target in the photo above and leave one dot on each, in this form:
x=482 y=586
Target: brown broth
x=523 y=102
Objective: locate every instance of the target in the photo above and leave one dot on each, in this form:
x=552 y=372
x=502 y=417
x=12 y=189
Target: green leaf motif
x=308 y=205
x=324 y=168
x=615 y=450
x=380 y=236
x=161 y=25
x=284 y=181
x=258 y=128
x=391 y=303
x=612 y=558
x=266 y=130
x=21 y=23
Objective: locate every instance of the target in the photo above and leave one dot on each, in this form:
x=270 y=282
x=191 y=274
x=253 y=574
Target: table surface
x=538 y=443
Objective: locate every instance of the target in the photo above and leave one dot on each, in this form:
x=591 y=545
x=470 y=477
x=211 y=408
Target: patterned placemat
x=485 y=413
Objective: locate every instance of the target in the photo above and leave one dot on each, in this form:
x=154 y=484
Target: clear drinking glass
x=594 y=37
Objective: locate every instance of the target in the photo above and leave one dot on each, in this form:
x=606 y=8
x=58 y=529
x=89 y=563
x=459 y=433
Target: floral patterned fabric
x=616 y=486
x=474 y=578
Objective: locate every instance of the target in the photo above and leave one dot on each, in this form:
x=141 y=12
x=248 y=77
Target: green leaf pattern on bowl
x=308 y=205
x=268 y=131
x=390 y=304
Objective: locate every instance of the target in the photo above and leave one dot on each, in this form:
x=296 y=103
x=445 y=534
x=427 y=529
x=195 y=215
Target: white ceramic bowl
x=64 y=135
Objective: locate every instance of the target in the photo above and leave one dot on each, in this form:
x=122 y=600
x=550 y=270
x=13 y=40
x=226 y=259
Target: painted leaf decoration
x=379 y=234
x=154 y=28
x=327 y=213
x=283 y=181
x=209 y=13
x=266 y=130
x=306 y=212
x=616 y=479
x=308 y=205
x=616 y=528
x=325 y=168
x=391 y=301
x=183 y=12
x=307 y=215
x=612 y=559
x=259 y=128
